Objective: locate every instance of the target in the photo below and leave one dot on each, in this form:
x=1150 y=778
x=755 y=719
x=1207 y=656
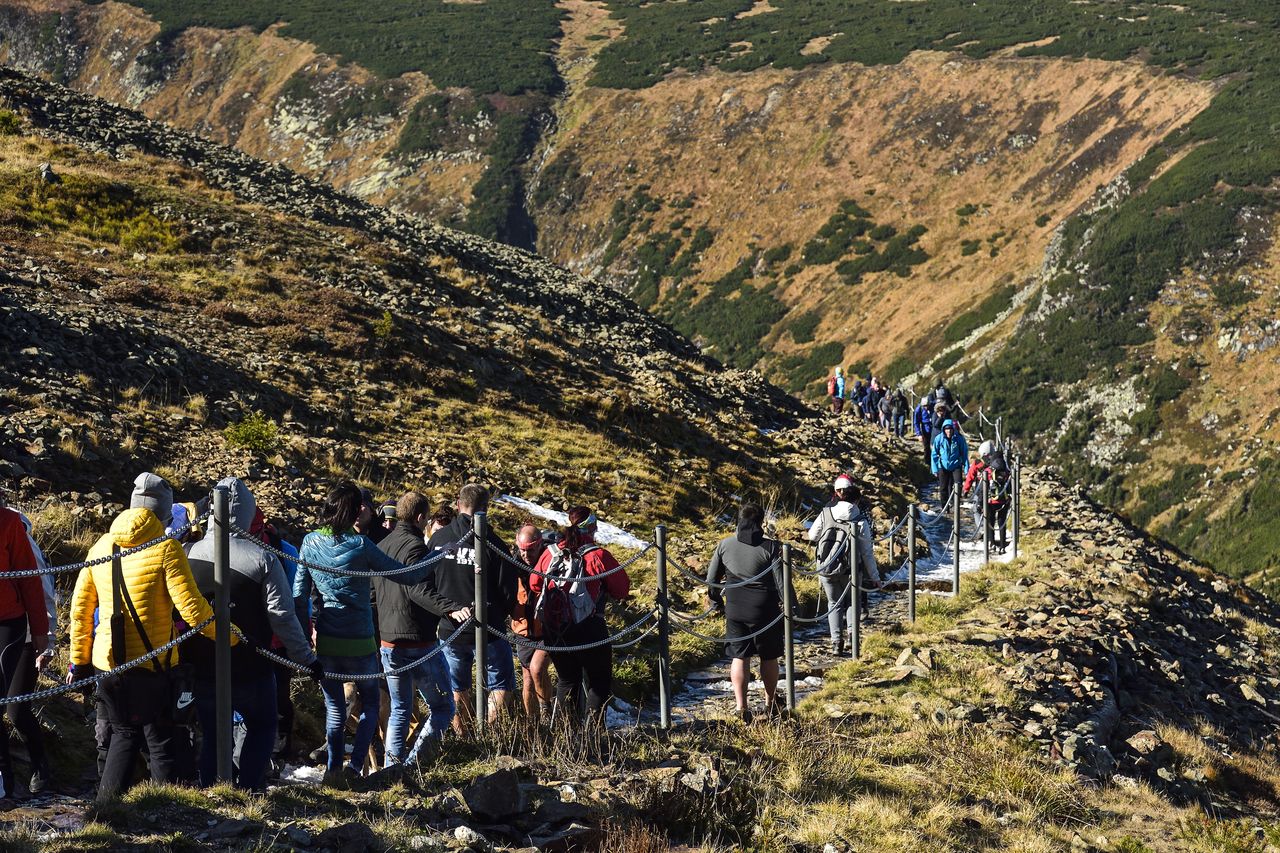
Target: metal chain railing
x=518 y=640
x=684 y=628
x=527 y=569
x=177 y=533
x=350 y=676
x=85 y=683
x=732 y=584
x=440 y=554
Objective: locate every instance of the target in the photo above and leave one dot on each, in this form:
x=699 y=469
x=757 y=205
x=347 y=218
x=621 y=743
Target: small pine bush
x=255 y=432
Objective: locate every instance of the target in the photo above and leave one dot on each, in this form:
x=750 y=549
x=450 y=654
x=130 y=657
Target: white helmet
x=986 y=448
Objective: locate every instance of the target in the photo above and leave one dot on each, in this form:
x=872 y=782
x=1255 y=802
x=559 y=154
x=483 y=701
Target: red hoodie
x=20 y=595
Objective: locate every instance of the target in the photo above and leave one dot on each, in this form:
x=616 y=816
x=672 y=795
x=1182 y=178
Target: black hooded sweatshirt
x=454 y=577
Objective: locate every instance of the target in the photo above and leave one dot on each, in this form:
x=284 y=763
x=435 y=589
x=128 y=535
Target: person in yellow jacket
x=156 y=580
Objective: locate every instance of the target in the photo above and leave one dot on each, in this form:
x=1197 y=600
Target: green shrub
x=966 y=210
x=10 y=123
x=255 y=432
x=803 y=327
x=964 y=325
x=1042 y=220
x=88 y=206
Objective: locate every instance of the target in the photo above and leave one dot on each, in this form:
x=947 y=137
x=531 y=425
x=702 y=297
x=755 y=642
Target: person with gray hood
x=261 y=605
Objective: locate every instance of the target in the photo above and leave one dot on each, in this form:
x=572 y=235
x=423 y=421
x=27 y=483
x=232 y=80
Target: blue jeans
x=255 y=701
x=431 y=677
x=899 y=425
x=500 y=671
x=335 y=708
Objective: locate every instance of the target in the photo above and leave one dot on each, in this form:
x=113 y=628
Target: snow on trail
x=606 y=533
x=938 y=565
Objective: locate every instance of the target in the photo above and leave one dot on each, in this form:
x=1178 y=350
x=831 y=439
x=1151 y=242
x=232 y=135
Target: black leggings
x=592 y=666
x=18 y=675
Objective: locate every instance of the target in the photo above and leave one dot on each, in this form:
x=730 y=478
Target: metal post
x=855 y=587
x=1017 y=504
x=222 y=626
x=892 y=543
x=789 y=627
x=986 y=528
x=664 y=631
x=955 y=525
x=481 y=612
x=911 y=562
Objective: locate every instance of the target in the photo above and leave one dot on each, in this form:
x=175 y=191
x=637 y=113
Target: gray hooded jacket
x=260 y=567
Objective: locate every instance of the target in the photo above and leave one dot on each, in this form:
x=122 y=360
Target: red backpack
x=831 y=387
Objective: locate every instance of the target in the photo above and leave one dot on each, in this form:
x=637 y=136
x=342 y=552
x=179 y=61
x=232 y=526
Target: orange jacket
x=20 y=595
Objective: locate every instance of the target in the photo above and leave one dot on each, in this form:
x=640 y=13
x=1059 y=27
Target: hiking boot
x=837 y=647
x=40 y=776
x=744 y=715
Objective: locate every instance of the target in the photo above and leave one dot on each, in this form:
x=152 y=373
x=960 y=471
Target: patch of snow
x=606 y=533
x=301 y=773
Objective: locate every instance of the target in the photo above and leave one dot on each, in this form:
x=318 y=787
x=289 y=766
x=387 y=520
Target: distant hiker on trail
x=898 y=409
x=858 y=397
x=135 y=614
x=950 y=457
x=345 y=637
x=993 y=515
x=23 y=613
x=535 y=664
x=846 y=518
x=749 y=608
x=835 y=390
x=454 y=579
x=885 y=410
x=262 y=607
x=923 y=422
x=570 y=607
x=408 y=621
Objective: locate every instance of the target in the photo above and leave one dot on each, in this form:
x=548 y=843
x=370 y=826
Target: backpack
x=1001 y=488
x=833 y=533
x=565 y=600
x=831 y=387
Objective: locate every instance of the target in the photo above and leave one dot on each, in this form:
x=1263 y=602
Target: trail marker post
x=955 y=537
x=911 y=563
x=481 y=615
x=223 y=717
x=789 y=627
x=664 y=630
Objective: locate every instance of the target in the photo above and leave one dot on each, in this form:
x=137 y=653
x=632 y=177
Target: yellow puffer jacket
x=158 y=580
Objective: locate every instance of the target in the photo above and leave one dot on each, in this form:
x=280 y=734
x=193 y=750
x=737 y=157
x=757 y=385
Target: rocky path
x=708 y=694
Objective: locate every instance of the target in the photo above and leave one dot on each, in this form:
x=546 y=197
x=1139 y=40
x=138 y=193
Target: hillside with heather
x=173 y=304
x=1067 y=207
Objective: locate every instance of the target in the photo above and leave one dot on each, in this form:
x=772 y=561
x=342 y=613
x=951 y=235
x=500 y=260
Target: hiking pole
x=855 y=629
x=955 y=555
x=986 y=524
x=789 y=627
x=222 y=627
x=1017 y=504
x=911 y=562
x=664 y=631
x=481 y=613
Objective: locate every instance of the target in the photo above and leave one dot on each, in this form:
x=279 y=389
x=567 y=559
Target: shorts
x=500 y=671
x=767 y=646
x=525 y=654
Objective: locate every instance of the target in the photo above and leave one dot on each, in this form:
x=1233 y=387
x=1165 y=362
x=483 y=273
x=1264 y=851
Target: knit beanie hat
x=151 y=491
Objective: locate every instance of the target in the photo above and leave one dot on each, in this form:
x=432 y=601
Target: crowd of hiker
x=871 y=400
x=372 y=606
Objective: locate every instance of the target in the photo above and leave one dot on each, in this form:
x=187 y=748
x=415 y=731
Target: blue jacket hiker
x=950 y=458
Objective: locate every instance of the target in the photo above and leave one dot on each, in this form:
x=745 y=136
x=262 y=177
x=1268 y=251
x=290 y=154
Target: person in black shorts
x=749 y=608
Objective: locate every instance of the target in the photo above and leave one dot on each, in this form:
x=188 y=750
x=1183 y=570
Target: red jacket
x=597 y=561
x=20 y=595
x=972 y=480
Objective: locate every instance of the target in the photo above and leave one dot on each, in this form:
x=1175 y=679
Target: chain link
x=351 y=573
x=621 y=567
x=125 y=667
x=751 y=636
x=177 y=533
x=344 y=676
x=530 y=644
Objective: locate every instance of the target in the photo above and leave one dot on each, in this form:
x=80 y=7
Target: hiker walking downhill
x=835 y=391
x=135 y=615
x=408 y=621
x=24 y=628
x=535 y=664
x=262 y=607
x=993 y=515
x=923 y=422
x=344 y=622
x=846 y=519
x=570 y=608
x=750 y=607
x=898 y=410
x=454 y=579
x=950 y=457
